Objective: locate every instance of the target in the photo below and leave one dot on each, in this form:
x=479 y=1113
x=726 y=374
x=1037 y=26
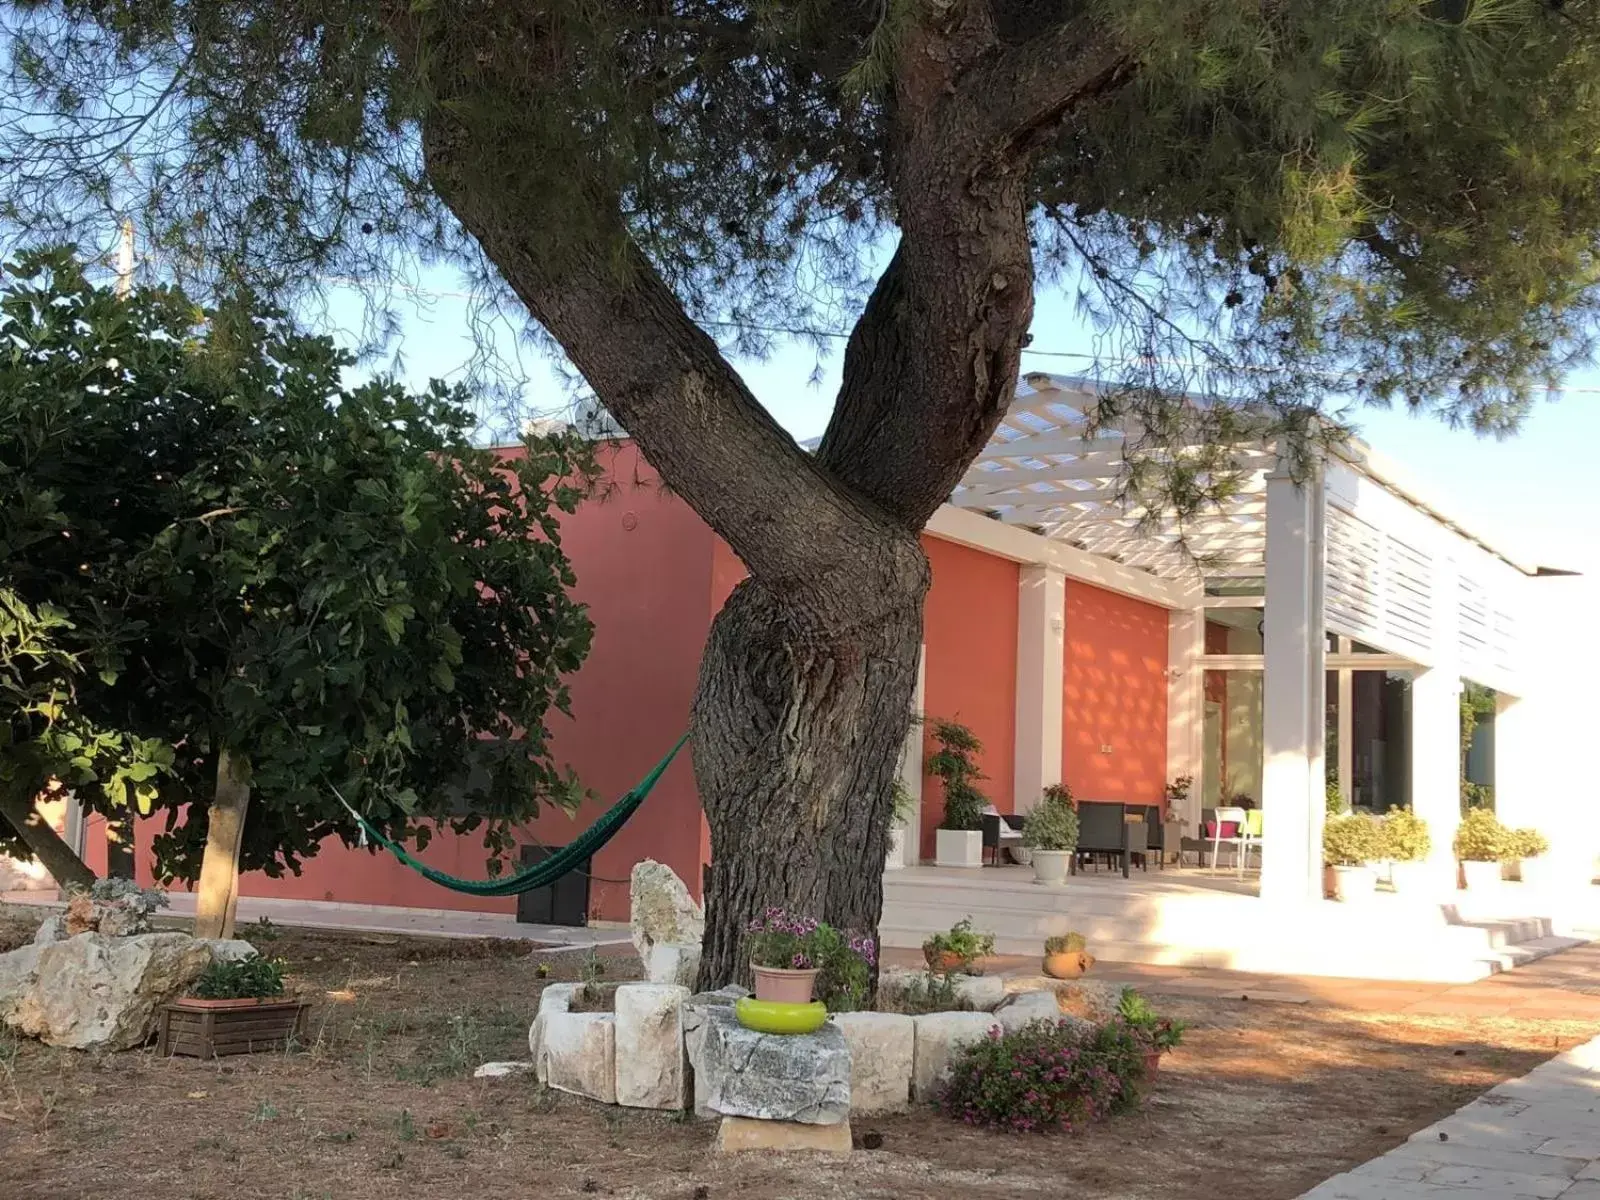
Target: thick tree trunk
x=65 y=867
x=798 y=732
x=806 y=684
x=217 y=896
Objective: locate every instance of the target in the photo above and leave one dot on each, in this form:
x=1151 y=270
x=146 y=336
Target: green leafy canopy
x=1307 y=204
x=329 y=581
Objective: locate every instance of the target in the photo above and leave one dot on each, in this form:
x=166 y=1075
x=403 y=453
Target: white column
x=1436 y=729
x=1041 y=633
x=1292 y=707
x=1186 y=707
x=911 y=767
x=1347 y=728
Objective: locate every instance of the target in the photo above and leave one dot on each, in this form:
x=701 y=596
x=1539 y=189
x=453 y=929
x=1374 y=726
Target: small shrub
x=1404 y=836
x=963 y=942
x=1351 y=840
x=253 y=978
x=1178 y=789
x=1065 y=943
x=924 y=994
x=954 y=765
x=1046 y=1076
x=1476 y=795
x=1333 y=799
x=1528 y=843
x=1154 y=1031
x=905 y=804
x=1482 y=838
x=1053 y=823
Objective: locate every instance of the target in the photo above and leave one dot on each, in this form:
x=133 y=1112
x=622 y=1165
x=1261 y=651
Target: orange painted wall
x=1114 y=693
x=970 y=632
x=643 y=562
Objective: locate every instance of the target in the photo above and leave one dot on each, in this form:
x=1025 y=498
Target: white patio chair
x=1236 y=818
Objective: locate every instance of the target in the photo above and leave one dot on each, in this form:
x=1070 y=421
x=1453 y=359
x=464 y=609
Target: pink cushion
x=1229 y=829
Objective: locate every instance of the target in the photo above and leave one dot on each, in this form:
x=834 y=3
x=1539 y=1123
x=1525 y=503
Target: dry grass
x=1262 y=1101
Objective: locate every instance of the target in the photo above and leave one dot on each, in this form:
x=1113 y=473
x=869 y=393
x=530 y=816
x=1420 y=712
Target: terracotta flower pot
x=780 y=985
x=1152 y=1063
x=943 y=962
x=1067 y=964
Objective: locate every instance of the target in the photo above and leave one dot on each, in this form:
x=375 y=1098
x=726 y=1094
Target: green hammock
x=543 y=873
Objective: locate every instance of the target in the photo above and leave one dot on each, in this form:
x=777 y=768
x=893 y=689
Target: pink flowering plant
x=1046 y=1076
x=843 y=960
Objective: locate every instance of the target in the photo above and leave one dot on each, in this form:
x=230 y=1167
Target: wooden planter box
x=214 y=1028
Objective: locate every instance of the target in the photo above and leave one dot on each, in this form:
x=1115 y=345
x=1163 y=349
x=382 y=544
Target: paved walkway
x=372 y=918
x=1534 y=1138
x=1563 y=985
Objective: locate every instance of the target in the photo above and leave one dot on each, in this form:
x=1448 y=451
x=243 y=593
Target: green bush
x=1482 y=838
x=1046 y=1076
x=954 y=765
x=1333 y=799
x=253 y=978
x=1351 y=840
x=905 y=804
x=1404 y=836
x=1053 y=823
x=922 y=994
x=966 y=943
x=1154 y=1031
x=1528 y=843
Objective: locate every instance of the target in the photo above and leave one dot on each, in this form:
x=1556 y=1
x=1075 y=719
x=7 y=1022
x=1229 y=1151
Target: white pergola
x=1351 y=552
x=1045 y=471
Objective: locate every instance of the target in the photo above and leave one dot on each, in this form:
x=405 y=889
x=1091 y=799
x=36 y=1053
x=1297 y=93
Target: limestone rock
x=228 y=949
x=772 y=1077
x=580 y=1054
x=740 y=1134
x=500 y=1070
x=1027 y=1007
x=1090 y=999
x=97 y=991
x=724 y=996
x=673 y=963
x=882 y=1053
x=940 y=1036
x=54 y=929
x=556 y=998
x=651 y=1071
x=983 y=992
x=661 y=910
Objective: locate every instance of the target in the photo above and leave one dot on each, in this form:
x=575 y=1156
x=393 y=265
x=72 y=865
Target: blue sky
x=1540 y=488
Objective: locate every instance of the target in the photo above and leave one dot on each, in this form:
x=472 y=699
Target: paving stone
x=740 y=1134
x=1421 y=1157
x=1500 y=1183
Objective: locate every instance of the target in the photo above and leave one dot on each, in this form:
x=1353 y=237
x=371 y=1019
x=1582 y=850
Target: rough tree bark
x=65 y=867
x=217 y=894
x=804 y=695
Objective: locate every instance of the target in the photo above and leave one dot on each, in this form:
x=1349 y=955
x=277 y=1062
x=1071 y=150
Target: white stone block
x=1028 y=1007
x=556 y=998
x=939 y=1037
x=500 y=1070
x=651 y=1071
x=580 y=1054
x=983 y=992
x=660 y=909
x=673 y=962
x=882 y=1052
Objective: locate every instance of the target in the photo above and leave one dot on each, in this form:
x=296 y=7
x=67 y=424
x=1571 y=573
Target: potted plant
x=1482 y=844
x=905 y=807
x=236 y=1007
x=1066 y=956
x=1154 y=1033
x=782 y=957
x=1405 y=843
x=959 y=839
x=1349 y=845
x=958 y=949
x=1178 y=789
x=1051 y=834
x=1533 y=868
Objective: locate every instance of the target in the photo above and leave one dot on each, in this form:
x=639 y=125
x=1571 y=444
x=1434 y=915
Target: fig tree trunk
x=53 y=853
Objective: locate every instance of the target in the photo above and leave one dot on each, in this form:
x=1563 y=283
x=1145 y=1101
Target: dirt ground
x=1262 y=1101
